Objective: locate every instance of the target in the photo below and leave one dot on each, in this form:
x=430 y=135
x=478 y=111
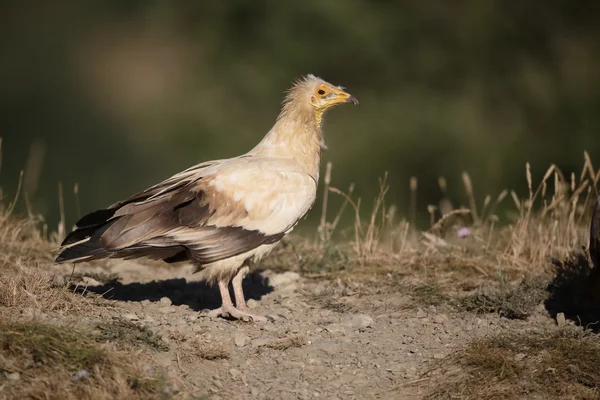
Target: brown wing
x=170 y=221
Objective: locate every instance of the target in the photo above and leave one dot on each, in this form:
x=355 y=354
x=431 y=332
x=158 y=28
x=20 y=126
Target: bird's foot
x=236 y=313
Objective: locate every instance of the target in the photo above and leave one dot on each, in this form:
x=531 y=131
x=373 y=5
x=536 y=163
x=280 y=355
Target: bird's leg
x=228 y=308
x=240 y=301
x=226 y=303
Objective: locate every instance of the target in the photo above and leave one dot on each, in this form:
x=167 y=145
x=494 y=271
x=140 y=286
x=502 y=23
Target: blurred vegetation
x=115 y=95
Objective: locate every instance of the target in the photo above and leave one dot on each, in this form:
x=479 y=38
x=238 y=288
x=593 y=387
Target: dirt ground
x=328 y=338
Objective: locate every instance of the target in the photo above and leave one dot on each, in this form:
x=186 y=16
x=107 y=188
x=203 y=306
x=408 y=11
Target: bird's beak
x=343 y=97
x=353 y=100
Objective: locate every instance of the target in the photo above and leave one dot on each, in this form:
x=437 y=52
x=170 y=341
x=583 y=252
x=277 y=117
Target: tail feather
x=86 y=242
x=78 y=235
x=96 y=218
x=89 y=250
x=83 y=243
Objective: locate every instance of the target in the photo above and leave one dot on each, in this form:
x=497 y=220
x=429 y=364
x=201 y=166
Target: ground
x=468 y=309
x=331 y=337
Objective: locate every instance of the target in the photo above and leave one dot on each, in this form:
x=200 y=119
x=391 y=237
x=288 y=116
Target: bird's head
x=325 y=95
x=313 y=93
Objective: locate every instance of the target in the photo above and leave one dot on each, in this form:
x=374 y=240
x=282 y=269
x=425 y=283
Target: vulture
x=223 y=215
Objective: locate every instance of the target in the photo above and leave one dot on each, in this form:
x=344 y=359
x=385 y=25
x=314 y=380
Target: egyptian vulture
x=222 y=215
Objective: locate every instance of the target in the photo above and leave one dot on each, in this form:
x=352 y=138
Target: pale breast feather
x=273 y=195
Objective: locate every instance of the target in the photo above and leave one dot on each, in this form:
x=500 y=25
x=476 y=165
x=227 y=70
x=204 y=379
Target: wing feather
x=206 y=213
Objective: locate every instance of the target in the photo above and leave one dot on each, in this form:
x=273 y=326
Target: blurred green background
x=118 y=95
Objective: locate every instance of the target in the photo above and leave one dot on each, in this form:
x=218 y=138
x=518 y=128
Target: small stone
x=358 y=321
x=167 y=309
x=81 y=374
x=421 y=313
x=440 y=319
x=560 y=319
x=330 y=347
x=284 y=279
x=171 y=390
x=131 y=317
x=269 y=327
x=287 y=290
x=14 y=376
x=541 y=308
x=252 y=304
x=573 y=368
x=254 y=392
x=438 y=356
x=520 y=357
x=59 y=280
x=240 y=339
x=335 y=328
x=235 y=373
x=165 y=301
x=91 y=281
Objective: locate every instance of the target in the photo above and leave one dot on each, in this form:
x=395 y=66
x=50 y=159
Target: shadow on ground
x=575 y=291
x=197 y=295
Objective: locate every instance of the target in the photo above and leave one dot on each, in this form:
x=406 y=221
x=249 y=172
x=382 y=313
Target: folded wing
x=207 y=213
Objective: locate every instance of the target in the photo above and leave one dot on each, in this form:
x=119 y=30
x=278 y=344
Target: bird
x=224 y=215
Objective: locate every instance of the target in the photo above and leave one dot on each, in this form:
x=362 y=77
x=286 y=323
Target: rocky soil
x=327 y=339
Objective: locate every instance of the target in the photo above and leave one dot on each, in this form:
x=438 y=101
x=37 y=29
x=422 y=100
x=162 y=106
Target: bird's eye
x=321 y=92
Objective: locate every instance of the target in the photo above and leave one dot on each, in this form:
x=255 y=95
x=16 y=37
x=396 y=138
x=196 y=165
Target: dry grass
x=35 y=289
x=47 y=361
x=22 y=242
x=557 y=365
x=508 y=237
x=61 y=363
x=547 y=223
x=516 y=302
x=210 y=351
x=206 y=351
x=54 y=362
x=192 y=347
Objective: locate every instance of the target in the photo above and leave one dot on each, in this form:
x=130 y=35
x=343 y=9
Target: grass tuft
x=563 y=364
x=32 y=288
x=509 y=302
x=62 y=363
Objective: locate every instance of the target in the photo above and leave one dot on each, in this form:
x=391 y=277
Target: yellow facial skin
x=326 y=96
